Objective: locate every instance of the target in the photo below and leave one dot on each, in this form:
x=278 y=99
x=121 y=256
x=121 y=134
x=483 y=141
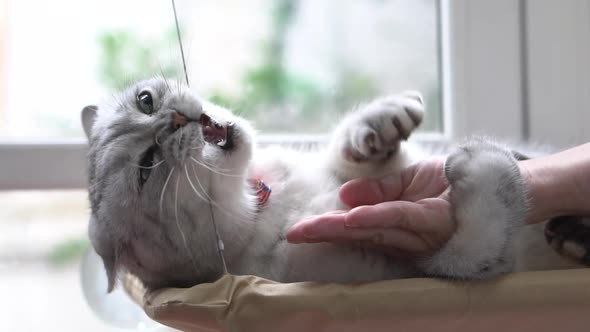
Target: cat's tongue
x=216 y=133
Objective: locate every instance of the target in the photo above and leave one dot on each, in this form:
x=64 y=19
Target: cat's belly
x=271 y=256
x=339 y=263
x=302 y=187
x=327 y=262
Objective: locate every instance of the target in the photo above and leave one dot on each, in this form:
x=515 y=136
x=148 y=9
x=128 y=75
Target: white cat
x=164 y=162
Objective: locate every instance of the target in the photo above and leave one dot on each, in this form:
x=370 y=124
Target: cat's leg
x=368 y=141
x=489 y=205
x=570 y=237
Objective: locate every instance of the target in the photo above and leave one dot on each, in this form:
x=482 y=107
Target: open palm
x=405 y=214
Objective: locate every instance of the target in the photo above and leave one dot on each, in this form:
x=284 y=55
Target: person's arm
x=410 y=214
x=558 y=184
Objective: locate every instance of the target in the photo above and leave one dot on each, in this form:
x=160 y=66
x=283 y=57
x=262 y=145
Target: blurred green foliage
x=275 y=98
x=270 y=84
x=68 y=251
x=125 y=57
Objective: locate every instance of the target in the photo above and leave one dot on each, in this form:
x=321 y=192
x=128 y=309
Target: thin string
x=219 y=242
x=220 y=245
x=180 y=42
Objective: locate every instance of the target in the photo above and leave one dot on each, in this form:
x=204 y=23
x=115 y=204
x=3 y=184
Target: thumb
x=359 y=192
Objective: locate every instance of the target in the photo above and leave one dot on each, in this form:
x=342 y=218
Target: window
x=515 y=69
x=289 y=65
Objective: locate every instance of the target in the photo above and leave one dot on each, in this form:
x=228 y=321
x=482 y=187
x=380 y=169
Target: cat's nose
x=179 y=120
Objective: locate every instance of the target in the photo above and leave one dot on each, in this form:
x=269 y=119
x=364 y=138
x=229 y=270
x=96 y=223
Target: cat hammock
x=527 y=301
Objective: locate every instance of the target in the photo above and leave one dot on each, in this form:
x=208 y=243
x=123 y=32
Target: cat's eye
x=145 y=102
x=146 y=165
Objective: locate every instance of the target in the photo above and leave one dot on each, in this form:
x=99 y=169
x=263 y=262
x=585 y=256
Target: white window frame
x=492 y=75
x=519 y=70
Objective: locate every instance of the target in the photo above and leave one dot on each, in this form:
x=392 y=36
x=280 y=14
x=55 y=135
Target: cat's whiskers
x=207 y=197
x=212 y=165
x=190 y=253
x=220 y=246
x=178 y=85
x=210 y=168
x=164 y=77
x=164 y=190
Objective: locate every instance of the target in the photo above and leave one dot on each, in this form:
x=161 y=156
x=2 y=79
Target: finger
x=427 y=215
x=295 y=235
x=331 y=228
x=300 y=232
x=359 y=192
x=334 y=212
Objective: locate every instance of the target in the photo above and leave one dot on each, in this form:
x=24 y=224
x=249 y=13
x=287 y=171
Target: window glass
x=289 y=65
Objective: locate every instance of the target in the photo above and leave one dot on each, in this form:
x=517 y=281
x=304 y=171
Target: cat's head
x=157 y=153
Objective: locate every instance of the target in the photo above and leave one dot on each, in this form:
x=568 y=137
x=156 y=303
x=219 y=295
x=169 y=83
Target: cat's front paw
x=375 y=131
x=489 y=205
x=484 y=168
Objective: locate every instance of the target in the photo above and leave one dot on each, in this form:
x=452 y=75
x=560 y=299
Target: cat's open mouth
x=216 y=133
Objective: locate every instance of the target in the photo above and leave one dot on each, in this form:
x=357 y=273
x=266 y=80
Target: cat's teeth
x=228 y=142
x=216 y=133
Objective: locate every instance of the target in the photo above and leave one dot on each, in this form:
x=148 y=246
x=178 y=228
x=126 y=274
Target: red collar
x=262 y=190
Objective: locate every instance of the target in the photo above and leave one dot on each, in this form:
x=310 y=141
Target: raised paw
x=374 y=132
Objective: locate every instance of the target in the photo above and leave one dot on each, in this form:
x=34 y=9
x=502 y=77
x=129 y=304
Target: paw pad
x=377 y=129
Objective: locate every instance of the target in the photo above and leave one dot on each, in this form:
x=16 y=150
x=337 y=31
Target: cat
x=167 y=169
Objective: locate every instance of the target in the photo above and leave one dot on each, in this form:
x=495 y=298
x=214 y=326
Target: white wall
x=558 y=41
x=520 y=69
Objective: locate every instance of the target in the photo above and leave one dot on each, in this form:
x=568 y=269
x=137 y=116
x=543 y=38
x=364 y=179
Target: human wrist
x=538 y=181
x=558 y=184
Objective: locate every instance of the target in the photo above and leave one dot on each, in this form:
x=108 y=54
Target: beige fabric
x=531 y=301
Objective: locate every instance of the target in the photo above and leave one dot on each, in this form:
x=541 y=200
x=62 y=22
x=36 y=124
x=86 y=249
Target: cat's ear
x=111 y=269
x=88 y=116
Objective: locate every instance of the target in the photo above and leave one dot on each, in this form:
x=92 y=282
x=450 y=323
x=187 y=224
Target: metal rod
x=180 y=42
x=220 y=246
x=218 y=241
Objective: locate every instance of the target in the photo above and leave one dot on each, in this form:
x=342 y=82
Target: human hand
x=406 y=214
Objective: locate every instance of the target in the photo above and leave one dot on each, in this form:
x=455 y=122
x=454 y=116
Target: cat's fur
x=162 y=230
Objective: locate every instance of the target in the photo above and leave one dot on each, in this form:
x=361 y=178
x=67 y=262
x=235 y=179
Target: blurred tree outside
x=126 y=58
x=275 y=98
